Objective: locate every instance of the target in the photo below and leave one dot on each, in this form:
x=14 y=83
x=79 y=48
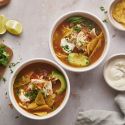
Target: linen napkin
x=103 y=117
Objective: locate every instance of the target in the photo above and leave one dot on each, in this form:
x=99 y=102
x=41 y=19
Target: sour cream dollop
x=22 y=96
x=115 y=73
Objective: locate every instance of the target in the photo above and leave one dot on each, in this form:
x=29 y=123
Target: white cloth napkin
x=103 y=117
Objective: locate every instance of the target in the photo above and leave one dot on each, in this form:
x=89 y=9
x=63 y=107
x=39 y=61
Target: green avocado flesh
x=78 y=59
x=59 y=76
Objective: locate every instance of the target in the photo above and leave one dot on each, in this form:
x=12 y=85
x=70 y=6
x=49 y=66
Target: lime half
x=3 y=20
x=14 y=27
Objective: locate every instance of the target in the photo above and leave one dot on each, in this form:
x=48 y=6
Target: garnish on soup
x=40 y=88
x=78 y=41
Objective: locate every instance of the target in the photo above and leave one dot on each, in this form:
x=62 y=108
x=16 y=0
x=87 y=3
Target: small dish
x=111 y=19
x=113 y=72
x=24 y=66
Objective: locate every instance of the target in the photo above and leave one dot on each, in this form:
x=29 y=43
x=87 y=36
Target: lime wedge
x=14 y=27
x=3 y=20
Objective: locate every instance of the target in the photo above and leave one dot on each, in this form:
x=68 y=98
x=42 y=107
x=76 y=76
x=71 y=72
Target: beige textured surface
x=88 y=90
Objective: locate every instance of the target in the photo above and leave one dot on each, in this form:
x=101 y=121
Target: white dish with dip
x=114 y=23
x=114 y=72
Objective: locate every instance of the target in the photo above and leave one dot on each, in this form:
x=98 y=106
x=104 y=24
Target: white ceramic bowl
x=95 y=19
x=21 y=110
x=106 y=65
x=111 y=19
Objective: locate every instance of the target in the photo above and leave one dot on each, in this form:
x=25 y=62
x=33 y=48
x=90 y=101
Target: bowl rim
x=81 y=69
x=113 y=22
x=105 y=66
x=21 y=110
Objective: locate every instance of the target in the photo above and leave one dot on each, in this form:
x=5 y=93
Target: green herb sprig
x=32 y=94
x=4 y=56
x=77 y=29
x=3 y=79
x=81 y=20
x=105 y=12
x=12 y=65
x=103 y=9
x=105 y=21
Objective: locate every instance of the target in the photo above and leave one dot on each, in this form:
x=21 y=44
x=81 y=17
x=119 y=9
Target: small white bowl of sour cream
x=114 y=72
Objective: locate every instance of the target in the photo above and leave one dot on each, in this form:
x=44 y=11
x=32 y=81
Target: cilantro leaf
x=4 y=56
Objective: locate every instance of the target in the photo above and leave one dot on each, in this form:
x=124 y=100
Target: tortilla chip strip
x=97 y=46
x=92 y=44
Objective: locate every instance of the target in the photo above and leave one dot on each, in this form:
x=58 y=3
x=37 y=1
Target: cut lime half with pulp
x=14 y=27
x=3 y=20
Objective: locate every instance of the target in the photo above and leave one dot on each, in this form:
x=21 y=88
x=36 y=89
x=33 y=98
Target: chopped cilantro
x=81 y=20
x=75 y=19
x=103 y=9
x=11 y=71
x=16 y=117
x=105 y=21
x=17 y=92
x=3 y=79
x=4 y=56
x=32 y=94
x=77 y=28
x=13 y=65
x=105 y=12
x=66 y=48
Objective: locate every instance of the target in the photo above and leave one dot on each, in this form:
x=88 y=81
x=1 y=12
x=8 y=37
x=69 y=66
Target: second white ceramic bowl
x=95 y=19
x=11 y=93
x=111 y=19
x=106 y=65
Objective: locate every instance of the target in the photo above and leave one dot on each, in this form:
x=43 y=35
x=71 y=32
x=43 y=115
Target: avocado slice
x=59 y=76
x=78 y=59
